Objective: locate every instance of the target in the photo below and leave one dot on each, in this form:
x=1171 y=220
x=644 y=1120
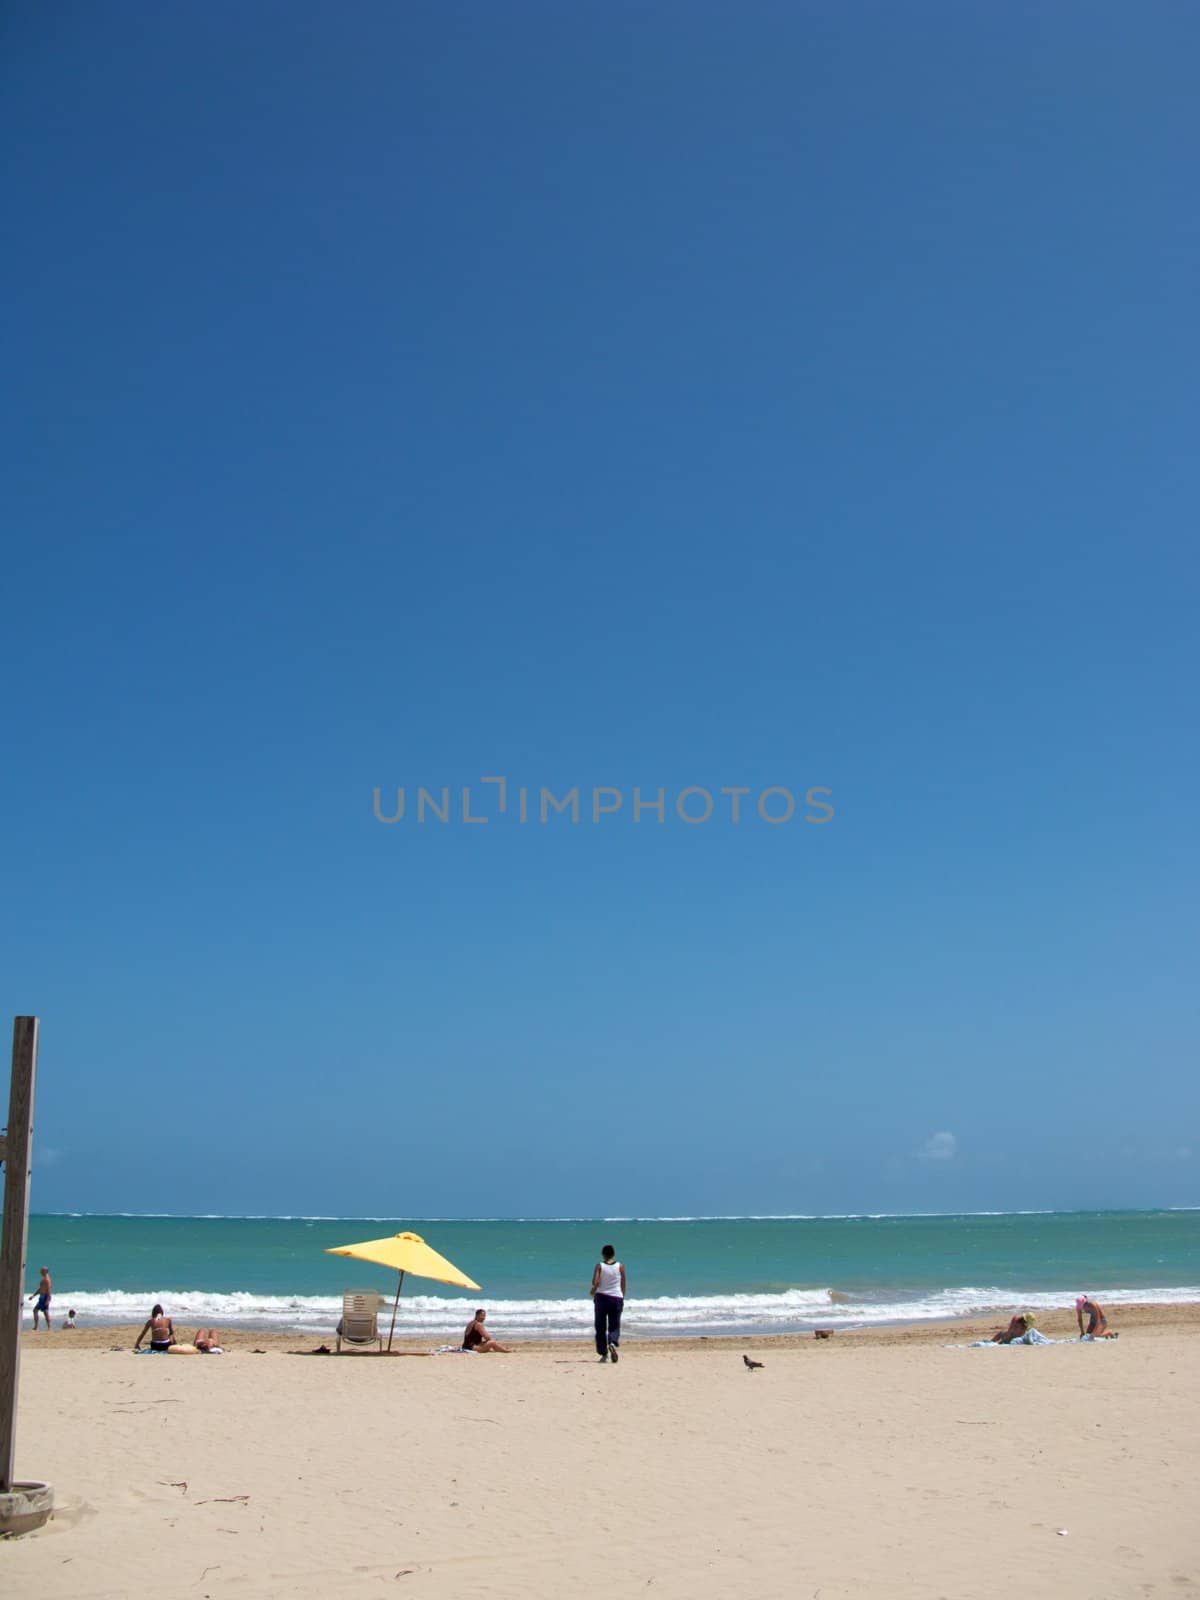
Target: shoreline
x=1145 y=1317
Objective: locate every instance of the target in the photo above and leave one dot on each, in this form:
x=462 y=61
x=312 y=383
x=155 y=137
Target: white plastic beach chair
x=359 y=1327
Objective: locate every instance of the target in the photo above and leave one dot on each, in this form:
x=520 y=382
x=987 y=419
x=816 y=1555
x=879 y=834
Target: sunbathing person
x=477 y=1338
x=1097 y=1327
x=1017 y=1328
x=208 y=1342
x=161 y=1330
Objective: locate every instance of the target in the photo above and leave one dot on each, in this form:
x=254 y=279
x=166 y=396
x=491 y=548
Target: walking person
x=608 y=1297
x=45 y=1290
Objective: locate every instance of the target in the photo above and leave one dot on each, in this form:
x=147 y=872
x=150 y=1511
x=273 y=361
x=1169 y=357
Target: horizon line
x=750 y=1216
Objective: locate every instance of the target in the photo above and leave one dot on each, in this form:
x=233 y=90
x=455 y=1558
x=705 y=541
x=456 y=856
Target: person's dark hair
x=608 y=1252
x=481 y=1312
x=157 y=1312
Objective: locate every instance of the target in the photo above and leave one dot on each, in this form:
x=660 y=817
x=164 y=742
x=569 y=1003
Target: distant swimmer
x=1097 y=1327
x=752 y=1366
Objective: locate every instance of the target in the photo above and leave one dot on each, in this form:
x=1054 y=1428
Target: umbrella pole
x=395 y=1307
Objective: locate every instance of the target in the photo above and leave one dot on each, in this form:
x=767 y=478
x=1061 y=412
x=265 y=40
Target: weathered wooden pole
x=16 y=1149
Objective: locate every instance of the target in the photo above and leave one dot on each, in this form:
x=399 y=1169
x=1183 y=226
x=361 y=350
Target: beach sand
x=872 y=1464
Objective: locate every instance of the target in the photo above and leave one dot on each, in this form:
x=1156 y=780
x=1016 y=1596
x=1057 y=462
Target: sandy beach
x=893 y=1462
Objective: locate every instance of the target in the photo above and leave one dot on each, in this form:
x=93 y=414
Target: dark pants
x=608 y=1321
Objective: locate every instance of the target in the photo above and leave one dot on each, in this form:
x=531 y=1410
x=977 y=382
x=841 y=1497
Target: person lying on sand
x=477 y=1338
x=161 y=1330
x=208 y=1342
x=1097 y=1327
x=1017 y=1328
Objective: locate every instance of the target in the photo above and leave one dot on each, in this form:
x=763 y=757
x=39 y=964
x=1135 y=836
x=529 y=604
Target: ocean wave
x=680 y=1315
x=441 y=1312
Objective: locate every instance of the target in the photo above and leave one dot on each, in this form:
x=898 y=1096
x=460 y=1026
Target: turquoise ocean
x=687 y=1275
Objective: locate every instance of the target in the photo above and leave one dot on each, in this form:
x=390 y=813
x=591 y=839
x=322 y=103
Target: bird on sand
x=751 y=1365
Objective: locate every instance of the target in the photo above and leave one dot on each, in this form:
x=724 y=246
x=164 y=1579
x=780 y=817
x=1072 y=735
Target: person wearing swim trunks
x=1097 y=1327
x=161 y=1330
x=45 y=1290
x=477 y=1339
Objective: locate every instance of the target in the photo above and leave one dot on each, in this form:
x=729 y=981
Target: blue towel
x=1031 y=1337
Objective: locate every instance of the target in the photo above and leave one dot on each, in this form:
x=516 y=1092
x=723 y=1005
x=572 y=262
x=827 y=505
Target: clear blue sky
x=686 y=394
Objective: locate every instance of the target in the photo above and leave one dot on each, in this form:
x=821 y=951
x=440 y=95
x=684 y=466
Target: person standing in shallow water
x=608 y=1297
x=45 y=1292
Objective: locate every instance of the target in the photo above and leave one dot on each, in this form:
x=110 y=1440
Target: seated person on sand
x=1097 y=1327
x=208 y=1342
x=1017 y=1328
x=477 y=1338
x=69 y=1325
x=161 y=1330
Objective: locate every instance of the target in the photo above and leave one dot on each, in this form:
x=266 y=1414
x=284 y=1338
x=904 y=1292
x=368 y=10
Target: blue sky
x=688 y=395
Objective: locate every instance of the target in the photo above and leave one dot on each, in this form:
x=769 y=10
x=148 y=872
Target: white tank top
x=610 y=1279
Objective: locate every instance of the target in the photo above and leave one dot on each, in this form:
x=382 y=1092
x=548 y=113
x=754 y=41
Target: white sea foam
x=787 y=1310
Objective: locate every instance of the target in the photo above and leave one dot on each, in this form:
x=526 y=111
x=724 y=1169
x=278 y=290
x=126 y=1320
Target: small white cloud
x=939 y=1147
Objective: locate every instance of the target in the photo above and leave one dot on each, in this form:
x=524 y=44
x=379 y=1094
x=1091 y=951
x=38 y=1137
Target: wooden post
x=16 y=1150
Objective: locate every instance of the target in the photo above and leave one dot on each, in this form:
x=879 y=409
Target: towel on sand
x=1031 y=1337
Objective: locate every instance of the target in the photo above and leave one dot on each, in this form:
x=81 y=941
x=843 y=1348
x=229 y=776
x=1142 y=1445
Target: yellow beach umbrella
x=405 y=1253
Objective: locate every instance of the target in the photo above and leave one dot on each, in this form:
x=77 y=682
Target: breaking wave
x=789 y=1310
